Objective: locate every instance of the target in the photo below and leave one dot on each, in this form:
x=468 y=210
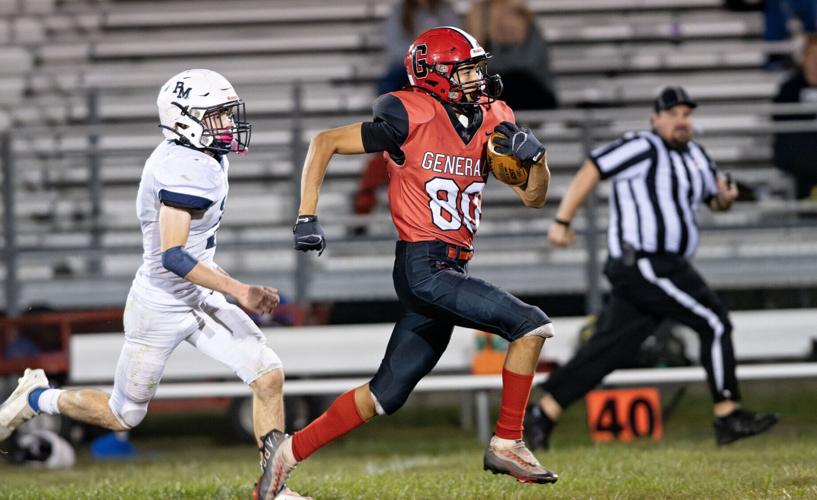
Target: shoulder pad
x=502 y=111
x=420 y=106
x=185 y=171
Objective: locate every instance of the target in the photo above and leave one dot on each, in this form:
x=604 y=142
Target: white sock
x=502 y=444
x=48 y=401
x=286 y=451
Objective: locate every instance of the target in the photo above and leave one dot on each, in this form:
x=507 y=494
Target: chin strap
x=180 y=138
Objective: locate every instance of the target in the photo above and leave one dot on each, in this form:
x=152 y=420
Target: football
x=506 y=168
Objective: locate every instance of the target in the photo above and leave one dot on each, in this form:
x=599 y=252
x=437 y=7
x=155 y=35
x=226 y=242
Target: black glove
x=520 y=142
x=309 y=234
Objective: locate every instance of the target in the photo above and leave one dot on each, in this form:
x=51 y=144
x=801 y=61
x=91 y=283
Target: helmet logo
x=418 y=61
x=181 y=92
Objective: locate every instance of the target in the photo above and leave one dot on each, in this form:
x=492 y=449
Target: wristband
x=301 y=219
x=178 y=261
x=562 y=222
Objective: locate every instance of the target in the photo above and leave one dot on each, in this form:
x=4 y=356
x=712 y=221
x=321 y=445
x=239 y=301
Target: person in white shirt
x=178 y=292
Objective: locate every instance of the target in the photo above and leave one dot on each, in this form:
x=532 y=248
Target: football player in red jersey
x=434 y=135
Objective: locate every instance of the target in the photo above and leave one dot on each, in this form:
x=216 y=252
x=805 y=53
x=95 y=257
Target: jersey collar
x=474 y=122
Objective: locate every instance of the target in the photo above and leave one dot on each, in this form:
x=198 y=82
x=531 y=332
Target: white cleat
x=15 y=410
x=288 y=494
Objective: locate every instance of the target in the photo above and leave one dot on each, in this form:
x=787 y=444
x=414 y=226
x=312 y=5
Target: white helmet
x=191 y=108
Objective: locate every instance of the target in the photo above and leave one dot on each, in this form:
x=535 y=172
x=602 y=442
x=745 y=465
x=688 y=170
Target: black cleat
x=741 y=424
x=538 y=427
x=274 y=467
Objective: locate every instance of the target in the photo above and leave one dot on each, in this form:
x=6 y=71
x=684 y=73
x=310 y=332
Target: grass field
x=422 y=454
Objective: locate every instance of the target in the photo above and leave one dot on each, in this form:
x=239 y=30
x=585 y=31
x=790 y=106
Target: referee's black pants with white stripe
x=644 y=292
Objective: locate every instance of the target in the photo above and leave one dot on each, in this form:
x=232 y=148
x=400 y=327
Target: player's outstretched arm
x=585 y=181
x=174 y=227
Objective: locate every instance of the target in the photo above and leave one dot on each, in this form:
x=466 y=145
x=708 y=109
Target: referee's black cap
x=673 y=96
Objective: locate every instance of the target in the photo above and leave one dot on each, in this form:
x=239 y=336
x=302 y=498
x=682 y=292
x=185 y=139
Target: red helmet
x=435 y=56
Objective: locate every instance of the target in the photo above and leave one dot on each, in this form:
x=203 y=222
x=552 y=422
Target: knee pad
x=378 y=408
x=130 y=405
x=129 y=414
x=255 y=362
x=544 y=331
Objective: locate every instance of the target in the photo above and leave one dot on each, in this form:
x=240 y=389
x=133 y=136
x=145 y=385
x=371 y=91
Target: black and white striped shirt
x=655 y=194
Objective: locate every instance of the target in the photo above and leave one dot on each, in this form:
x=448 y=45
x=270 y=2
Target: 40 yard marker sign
x=624 y=414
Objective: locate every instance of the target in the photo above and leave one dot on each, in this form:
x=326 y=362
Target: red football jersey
x=436 y=194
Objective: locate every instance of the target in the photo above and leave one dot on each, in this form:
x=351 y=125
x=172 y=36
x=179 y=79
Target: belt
x=460 y=253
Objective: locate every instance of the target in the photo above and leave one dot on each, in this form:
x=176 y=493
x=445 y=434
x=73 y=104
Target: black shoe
x=741 y=424
x=274 y=468
x=538 y=427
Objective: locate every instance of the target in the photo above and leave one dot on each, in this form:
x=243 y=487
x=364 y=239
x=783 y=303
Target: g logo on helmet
x=438 y=54
x=418 y=61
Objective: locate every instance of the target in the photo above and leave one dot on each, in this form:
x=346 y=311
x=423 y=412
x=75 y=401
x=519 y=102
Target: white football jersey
x=187 y=178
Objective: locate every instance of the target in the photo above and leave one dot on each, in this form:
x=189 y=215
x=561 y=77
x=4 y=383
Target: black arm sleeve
x=389 y=129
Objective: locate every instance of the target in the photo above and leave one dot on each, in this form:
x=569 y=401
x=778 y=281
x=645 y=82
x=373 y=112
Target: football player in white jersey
x=178 y=292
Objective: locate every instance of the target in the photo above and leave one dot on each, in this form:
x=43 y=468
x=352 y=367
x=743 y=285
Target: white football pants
x=217 y=328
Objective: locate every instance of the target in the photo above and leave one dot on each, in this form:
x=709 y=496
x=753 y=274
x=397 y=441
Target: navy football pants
x=438 y=293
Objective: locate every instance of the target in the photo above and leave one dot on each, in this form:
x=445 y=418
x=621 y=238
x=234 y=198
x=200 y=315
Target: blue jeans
x=438 y=293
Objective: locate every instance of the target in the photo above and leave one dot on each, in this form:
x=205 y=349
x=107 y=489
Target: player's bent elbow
x=535 y=201
x=322 y=139
x=327 y=140
x=341 y=140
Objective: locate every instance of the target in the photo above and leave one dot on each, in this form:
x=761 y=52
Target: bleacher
x=611 y=55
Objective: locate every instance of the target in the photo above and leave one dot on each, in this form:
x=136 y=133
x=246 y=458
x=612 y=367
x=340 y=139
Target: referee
x=659 y=179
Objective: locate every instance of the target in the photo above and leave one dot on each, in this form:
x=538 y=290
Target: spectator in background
x=776 y=18
x=408 y=19
x=796 y=152
x=374 y=177
x=507 y=29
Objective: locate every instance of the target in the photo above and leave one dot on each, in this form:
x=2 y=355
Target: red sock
x=515 y=392
x=341 y=417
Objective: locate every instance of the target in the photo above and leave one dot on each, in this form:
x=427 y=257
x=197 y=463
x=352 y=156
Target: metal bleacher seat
x=573 y=28
x=604 y=52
